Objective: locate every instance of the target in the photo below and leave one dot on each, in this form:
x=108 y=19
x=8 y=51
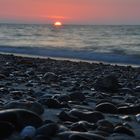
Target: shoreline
x=69 y=59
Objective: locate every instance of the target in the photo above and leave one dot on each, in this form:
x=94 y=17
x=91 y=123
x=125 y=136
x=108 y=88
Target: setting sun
x=57 y=23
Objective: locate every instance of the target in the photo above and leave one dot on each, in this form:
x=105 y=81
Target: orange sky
x=70 y=11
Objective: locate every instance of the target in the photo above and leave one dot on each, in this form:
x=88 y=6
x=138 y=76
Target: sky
x=70 y=11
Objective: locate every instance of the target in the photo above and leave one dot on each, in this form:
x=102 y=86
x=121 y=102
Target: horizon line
x=78 y=24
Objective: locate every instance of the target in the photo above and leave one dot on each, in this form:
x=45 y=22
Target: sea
x=118 y=44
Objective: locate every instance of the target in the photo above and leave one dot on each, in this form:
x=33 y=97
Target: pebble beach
x=48 y=99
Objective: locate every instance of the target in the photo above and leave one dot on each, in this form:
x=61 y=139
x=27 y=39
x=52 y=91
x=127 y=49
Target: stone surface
x=107 y=83
x=107 y=108
x=20 y=118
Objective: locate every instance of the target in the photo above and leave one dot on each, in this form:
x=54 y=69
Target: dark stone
x=126 y=90
x=50 y=77
x=41 y=137
x=124 y=130
x=107 y=83
x=87 y=125
x=89 y=116
x=137 y=89
x=63 y=98
x=62 y=128
x=73 y=135
x=78 y=127
x=106 y=108
x=105 y=125
x=102 y=133
x=47 y=130
x=83 y=126
x=6 y=129
x=104 y=101
x=52 y=103
x=2 y=76
x=66 y=117
x=20 y=118
x=129 y=110
x=78 y=137
x=48 y=121
x=32 y=106
x=77 y=96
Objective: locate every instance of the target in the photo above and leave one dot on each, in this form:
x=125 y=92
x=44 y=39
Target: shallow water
x=115 y=44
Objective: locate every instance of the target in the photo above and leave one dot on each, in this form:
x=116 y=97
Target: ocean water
x=113 y=44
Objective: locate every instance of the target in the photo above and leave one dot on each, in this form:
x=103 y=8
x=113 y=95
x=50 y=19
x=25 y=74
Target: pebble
x=89 y=116
x=6 y=129
x=77 y=96
x=126 y=118
x=138 y=117
x=47 y=130
x=135 y=109
x=20 y=118
x=63 y=98
x=41 y=137
x=124 y=130
x=52 y=103
x=105 y=125
x=50 y=77
x=2 y=76
x=67 y=117
x=106 y=108
x=32 y=106
x=73 y=135
x=78 y=137
x=78 y=127
x=28 y=131
x=108 y=83
x=102 y=133
x=86 y=125
x=137 y=89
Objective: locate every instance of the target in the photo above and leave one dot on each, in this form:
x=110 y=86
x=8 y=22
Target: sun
x=58 y=23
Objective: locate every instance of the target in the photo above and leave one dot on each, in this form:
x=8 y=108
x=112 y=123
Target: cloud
x=56 y=17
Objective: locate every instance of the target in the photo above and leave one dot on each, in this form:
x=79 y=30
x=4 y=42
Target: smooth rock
x=20 y=118
x=67 y=117
x=77 y=96
x=48 y=130
x=138 y=117
x=78 y=127
x=105 y=125
x=50 y=77
x=6 y=129
x=137 y=89
x=106 y=108
x=62 y=128
x=2 y=76
x=102 y=133
x=41 y=137
x=129 y=110
x=32 y=106
x=107 y=83
x=83 y=126
x=126 y=118
x=63 y=98
x=78 y=137
x=124 y=130
x=73 y=135
x=52 y=103
x=88 y=116
x=28 y=131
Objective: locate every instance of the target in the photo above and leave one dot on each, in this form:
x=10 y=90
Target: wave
x=73 y=54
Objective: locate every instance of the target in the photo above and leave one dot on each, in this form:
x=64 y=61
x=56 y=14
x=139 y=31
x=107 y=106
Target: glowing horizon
x=70 y=11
